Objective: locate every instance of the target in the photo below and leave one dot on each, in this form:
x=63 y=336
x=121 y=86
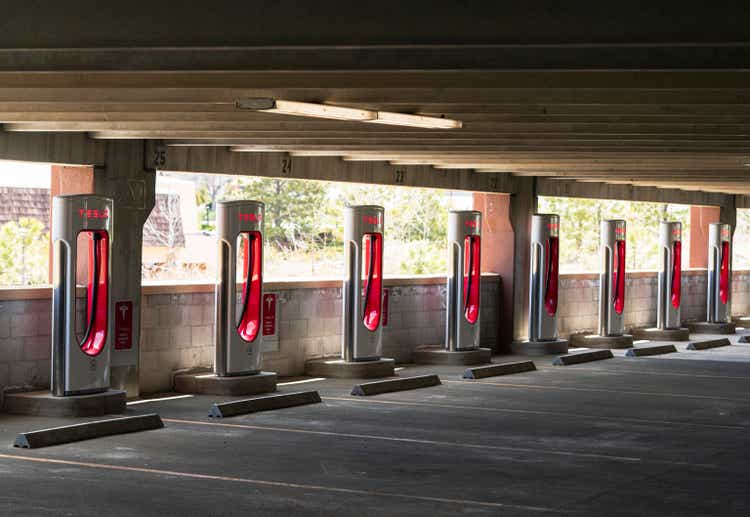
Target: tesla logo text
x=93 y=213
x=553 y=226
x=471 y=224
x=619 y=231
x=676 y=233
x=250 y=217
x=371 y=219
x=725 y=233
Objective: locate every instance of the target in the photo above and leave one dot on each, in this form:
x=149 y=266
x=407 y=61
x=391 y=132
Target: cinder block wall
x=579 y=299
x=177 y=327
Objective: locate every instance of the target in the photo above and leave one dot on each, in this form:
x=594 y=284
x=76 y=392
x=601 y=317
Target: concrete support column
x=523 y=204
x=131 y=183
x=498 y=244
x=506 y=237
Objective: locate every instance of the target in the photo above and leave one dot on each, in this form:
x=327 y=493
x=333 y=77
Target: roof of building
x=164 y=225
x=18 y=202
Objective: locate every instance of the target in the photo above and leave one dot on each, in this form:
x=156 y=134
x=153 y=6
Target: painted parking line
x=480 y=409
x=275 y=484
x=438 y=443
x=598 y=390
x=643 y=372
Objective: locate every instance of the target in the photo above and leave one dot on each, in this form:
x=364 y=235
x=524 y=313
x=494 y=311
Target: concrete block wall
x=579 y=299
x=741 y=293
x=178 y=328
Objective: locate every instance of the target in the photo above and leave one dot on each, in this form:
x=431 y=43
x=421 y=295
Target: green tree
x=293 y=210
x=579 y=230
x=24 y=252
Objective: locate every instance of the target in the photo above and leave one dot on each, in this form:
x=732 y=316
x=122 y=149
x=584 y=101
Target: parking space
x=620 y=434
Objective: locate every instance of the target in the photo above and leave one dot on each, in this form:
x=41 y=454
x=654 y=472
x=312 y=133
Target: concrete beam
x=566 y=188
x=57 y=148
x=142 y=23
x=220 y=160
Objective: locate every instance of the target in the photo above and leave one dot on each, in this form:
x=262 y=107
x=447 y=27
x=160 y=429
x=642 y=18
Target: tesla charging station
x=363 y=283
x=670 y=276
x=612 y=234
x=238 y=307
x=464 y=280
x=612 y=278
x=719 y=291
x=543 y=286
x=463 y=290
x=238 y=336
x=81 y=237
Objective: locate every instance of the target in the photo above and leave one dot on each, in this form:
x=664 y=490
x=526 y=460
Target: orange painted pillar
x=700 y=217
x=66 y=179
x=498 y=251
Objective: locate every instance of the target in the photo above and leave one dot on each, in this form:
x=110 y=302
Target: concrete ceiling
x=654 y=97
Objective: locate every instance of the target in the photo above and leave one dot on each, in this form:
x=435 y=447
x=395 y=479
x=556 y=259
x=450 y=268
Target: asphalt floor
x=662 y=435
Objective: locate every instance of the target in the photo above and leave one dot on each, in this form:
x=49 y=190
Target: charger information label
x=124 y=325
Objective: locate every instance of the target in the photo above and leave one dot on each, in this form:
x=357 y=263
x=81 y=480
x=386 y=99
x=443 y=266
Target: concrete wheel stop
x=400 y=384
x=590 y=340
x=583 y=357
x=340 y=369
x=706 y=327
x=655 y=334
x=494 y=370
x=644 y=351
x=43 y=403
x=267 y=403
x=208 y=383
x=555 y=346
x=439 y=355
x=709 y=343
x=87 y=431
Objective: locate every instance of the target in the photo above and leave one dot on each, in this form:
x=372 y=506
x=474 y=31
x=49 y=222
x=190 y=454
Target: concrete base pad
x=210 y=384
x=558 y=346
x=654 y=334
x=596 y=341
x=439 y=355
x=340 y=369
x=43 y=403
x=706 y=327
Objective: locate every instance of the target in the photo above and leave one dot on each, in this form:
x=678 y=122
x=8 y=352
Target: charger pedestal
x=439 y=355
x=43 y=403
x=235 y=385
x=339 y=369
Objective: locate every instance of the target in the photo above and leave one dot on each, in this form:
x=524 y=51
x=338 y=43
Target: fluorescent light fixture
x=306 y=109
x=317 y=110
x=406 y=119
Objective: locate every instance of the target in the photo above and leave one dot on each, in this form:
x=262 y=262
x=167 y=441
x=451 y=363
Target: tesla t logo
x=93 y=213
x=371 y=219
x=471 y=224
x=250 y=217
